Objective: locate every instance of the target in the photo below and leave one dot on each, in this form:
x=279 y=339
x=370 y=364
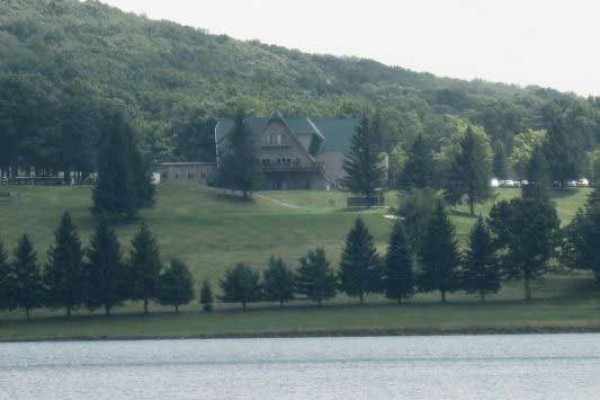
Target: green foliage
x=439 y=255
x=524 y=145
x=481 y=272
x=26 y=287
x=5 y=279
x=363 y=161
x=420 y=168
x=239 y=166
x=360 y=269
x=315 y=277
x=500 y=161
x=279 y=281
x=206 y=296
x=527 y=230
x=565 y=151
x=106 y=275
x=145 y=266
x=416 y=208
x=241 y=285
x=470 y=170
x=63 y=275
x=399 y=262
x=124 y=183
x=175 y=285
x=538 y=172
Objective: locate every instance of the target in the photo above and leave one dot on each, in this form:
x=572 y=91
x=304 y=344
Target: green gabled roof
x=335 y=132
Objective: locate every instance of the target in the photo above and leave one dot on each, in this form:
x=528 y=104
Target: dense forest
x=63 y=61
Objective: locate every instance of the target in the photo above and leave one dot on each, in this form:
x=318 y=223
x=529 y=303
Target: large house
x=297 y=152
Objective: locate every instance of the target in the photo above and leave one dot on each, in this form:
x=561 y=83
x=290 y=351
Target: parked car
x=524 y=182
x=508 y=183
x=583 y=182
x=572 y=183
x=495 y=183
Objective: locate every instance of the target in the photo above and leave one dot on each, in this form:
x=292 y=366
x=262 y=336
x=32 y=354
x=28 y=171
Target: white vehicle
x=571 y=183
x=495 y=183
x=583 y=182
x=524 y=182
x=509 y=183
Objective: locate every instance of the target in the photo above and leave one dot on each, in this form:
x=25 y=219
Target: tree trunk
x=145 y=306
x=280 y=303
x=362 y=299
x=319 y=301
x=399 y=300
x=177 y=309
x=107 y=310
x=443 y=292
x=68 y=310
x=244 y=305
x=527 y=288
x=27 y=313
x=472 y=207
x=482 y=295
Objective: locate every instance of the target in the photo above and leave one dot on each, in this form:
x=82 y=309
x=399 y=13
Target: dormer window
x=275 y=140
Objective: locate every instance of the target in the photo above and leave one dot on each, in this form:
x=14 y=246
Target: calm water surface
x=565 y=367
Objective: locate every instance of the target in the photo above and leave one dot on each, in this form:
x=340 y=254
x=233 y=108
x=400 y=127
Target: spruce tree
x=106 y=276
x=175 y=285
x=241 y=285
x=564 y=152
x=315 y=277
x=500 y=161
x=360 y=270
x=5 y=280
x=28 y=288
x=363 y=162
x=470 y=171
x=279 y=281
x=64 y=273
x=528 y=231
x=239 y=166
x=206 y=296
x=419 y=170
x=482 y=268
x=399 y=263
x=439 y=255
x=145 y=266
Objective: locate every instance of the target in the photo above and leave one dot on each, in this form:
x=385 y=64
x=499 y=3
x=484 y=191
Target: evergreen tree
x=279 y=281
x=106 y=276
x=145 y=266
x=315 y=277
x=241 y=285
x=439 y=255
x=64 y=273
x=500 y=161
x=565 y=153
x=419 y=170
x=538 y=171
x=363 y=162
x=6 y=280
x=415 y=210
x=582 y=246
x=239 y=165
x=28 y=289
x=482 y=268
x=470 y=170
x=399 y=263
x=360 y=267
x=124 y=182
x=527 y=229
x=175 y=285
x=206 y=296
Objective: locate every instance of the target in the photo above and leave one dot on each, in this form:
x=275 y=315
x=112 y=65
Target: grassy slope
x=212 y=230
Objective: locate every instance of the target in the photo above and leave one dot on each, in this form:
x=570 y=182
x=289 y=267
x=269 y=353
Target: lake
x=565 y=367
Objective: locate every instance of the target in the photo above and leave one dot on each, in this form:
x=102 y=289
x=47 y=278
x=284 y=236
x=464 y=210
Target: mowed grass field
x=211 y=230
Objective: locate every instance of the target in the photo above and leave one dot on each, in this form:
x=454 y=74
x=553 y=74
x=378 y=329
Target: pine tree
x=106 y=276
x=363 y=162
x=175 y=285
x=206 y=296
x=528 y=231
x=360 y=270
x=241 y=285
x=6 y=272
x=315 y=277
x=145 y=266
x=239 y=165
x=28 y=290
x=439 y=255
x=482 y=268
x=470 y=173
x=399 y=263
x=64 y=274
x=564 y=152
x=124 y=182
x=500 y=162
x=279 y=281
x=419 y=170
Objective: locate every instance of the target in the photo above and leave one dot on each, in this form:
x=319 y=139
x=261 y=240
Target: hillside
x=58 y=58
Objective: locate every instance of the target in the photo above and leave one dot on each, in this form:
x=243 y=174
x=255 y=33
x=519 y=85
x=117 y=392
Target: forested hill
x=59 y=58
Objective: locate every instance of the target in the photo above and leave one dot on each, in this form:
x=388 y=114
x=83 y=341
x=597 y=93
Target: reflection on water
x=444 y=367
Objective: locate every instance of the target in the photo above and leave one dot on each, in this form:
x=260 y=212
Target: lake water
x=565 y=367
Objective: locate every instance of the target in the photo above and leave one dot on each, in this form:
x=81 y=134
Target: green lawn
x=211 y=230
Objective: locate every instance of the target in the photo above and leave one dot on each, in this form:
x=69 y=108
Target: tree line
x=98 y=276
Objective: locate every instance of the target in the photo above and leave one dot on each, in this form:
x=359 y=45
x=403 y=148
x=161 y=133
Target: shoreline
x=391 y=332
